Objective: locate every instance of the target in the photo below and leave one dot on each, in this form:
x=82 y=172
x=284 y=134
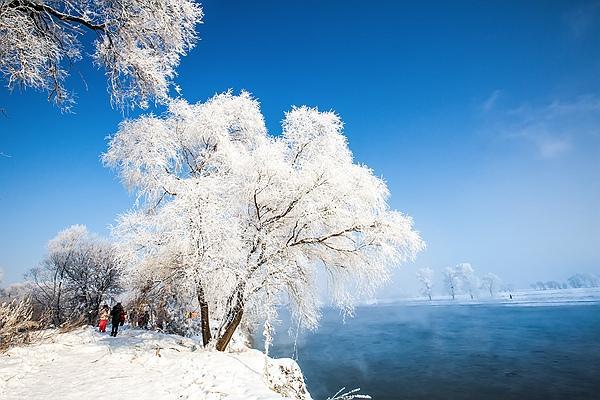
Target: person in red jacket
x=122 y=316
x=104 y=312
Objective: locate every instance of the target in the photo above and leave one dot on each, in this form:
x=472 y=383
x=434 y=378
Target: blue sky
x=484 y=118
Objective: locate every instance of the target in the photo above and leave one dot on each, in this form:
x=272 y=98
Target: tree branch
x=41 y=7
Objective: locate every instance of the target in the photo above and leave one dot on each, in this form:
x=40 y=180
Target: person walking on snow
x=115 y=315
x=133 y=317
x=122 y=316
x=145 y=320
x=104 y=311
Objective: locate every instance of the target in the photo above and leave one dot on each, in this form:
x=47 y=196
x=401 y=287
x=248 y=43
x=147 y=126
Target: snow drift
x=85 y=364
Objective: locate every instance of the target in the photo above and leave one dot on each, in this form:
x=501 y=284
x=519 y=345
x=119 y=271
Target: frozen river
x=455 y=352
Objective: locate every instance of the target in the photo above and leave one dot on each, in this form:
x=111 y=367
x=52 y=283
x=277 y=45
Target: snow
x=85 y=364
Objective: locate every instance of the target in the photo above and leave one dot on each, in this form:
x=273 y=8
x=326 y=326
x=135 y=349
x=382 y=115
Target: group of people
x=117 y=316
x=139 y=319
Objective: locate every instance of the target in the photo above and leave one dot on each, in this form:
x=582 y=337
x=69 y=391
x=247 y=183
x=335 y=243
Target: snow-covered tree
x=452 y=281
x=490 y=282
x=553 y=285
x=139 y=43
x=245 y=219
x=425 y=277
x=79 y=272
x=584 y=280
x=17 y=290
x=469 y=281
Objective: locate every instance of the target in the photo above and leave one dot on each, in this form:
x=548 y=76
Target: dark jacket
x=115 y=313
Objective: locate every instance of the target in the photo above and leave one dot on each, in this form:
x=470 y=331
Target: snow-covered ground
x=85 y=364
x=555 y=297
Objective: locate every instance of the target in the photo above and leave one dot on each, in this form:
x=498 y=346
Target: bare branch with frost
x=139 y=44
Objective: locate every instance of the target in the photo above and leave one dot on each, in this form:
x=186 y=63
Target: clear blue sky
x=484 y=118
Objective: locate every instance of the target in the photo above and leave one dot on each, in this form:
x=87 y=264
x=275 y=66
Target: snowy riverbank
x=554 y=297
x=84 y=364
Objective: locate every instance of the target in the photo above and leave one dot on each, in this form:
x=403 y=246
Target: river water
x=453 y=352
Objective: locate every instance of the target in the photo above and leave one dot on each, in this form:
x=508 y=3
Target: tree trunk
x=233 y=319
x=57 y=318
x=204 y=317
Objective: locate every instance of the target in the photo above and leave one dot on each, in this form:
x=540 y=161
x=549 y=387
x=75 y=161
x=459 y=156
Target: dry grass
x=16 y=324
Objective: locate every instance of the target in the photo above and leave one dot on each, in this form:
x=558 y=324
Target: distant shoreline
x=525 y=297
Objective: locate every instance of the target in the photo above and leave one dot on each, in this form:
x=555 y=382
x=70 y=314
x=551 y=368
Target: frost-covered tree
x=469 y=281
x=139 y=43
x=245 y=219
x=553 y=285
x=452 y=281
x=79 y=272
x=425 y=277
x=490 y=282
x=584 y=280
x=17 y=290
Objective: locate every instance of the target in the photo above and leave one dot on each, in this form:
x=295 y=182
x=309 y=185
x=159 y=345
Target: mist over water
x=453 y=352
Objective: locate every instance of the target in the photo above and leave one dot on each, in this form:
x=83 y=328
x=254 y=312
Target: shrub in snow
x=350 y=395
x=243 y=219
x=285 y=377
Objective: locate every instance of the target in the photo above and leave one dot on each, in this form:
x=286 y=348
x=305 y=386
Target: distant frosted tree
x=139 y=43
x=79 y=272
x=452 y=281
x=553 y=285
x=490 y=282
x=425 y=277
x=245 y=219
x=507 y=287
x=468 y=280
x=18 y=291
x=584 y=281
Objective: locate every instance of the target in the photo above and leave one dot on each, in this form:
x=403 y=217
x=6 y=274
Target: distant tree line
x=576 y=281
x=460 y=279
